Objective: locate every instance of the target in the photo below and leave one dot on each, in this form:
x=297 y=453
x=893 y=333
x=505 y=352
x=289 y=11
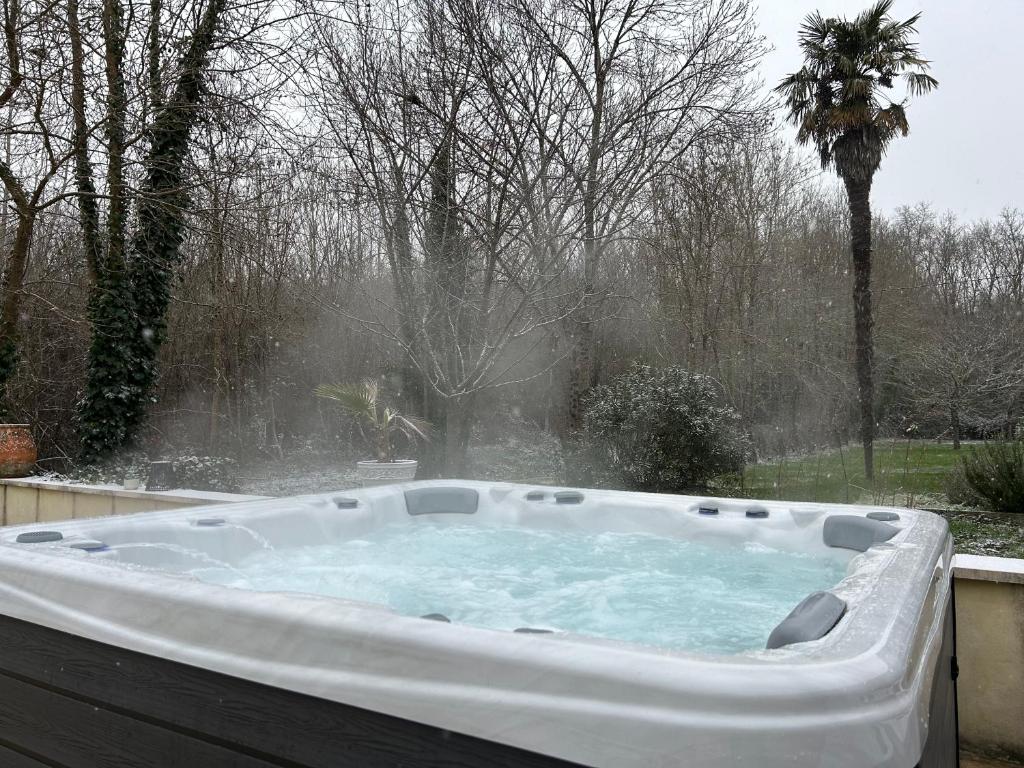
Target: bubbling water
x=632 y=587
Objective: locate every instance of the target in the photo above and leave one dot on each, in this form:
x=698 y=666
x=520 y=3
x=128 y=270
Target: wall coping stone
x=110 y=489
x=1005 y=570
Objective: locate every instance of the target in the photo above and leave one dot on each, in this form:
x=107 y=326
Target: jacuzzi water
x=636 y=587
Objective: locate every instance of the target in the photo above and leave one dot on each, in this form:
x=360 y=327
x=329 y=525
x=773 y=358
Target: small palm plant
x=365 y=402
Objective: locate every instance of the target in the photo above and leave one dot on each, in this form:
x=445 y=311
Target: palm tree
x=837 y=101
x=365 y=402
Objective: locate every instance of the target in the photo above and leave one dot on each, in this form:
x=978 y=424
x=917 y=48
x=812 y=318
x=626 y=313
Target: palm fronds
x=360 y=400
x=837 y=99
x=364 y=402
x=412 y=427
x=919 y=83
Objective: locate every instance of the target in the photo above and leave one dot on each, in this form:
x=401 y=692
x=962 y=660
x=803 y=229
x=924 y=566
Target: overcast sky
x=965 y=151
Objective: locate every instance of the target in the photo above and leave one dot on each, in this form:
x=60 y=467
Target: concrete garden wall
x=30 y=500
x=990 y=652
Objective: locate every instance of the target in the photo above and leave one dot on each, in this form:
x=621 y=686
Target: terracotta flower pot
x=17 y=450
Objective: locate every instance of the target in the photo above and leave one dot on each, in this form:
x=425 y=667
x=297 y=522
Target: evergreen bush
x=995 y=472
x=662 y=430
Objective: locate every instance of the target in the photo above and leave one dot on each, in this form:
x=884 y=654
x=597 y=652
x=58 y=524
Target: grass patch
x=907 y=473
x=983 y=534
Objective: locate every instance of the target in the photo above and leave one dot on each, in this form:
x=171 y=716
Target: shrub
x=995 y=472
x=198 y=473
x=207 y=473
x=113 y=469
x=658 y=430
x=959 y=491
x=510 y=448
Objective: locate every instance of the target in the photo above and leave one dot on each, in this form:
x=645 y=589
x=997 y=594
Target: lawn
x=907 y=473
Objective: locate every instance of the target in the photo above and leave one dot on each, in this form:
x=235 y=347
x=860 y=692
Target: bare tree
x=132 y=272
x=965 y=361
x=35 y=149
x=639 y=85
x=413 y=110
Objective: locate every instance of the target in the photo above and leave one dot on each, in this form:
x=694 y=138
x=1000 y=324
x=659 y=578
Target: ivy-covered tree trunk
x=112 y=407
x=128 y=312
x=114 y=123
x=88 y=209
x=110 y=309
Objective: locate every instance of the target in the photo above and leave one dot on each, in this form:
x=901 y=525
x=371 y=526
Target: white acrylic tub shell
x=858 y=696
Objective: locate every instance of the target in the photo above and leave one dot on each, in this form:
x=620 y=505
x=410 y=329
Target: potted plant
x=365 y=402
x=17 y=450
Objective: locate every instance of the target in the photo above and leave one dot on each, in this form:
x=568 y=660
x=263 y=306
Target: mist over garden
x=570 y=243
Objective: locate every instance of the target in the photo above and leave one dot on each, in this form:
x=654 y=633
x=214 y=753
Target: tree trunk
x=88 y=210
x=153 y=50
x=114 y=124
x=581 y=361
x=954 y=421
x=446 y=340
x=10 y=289
x=581 y=375
x=859 y=194
x=129 y=310
x=433 y=457
x=219 y=290
x=457 y=432
x=451 y=419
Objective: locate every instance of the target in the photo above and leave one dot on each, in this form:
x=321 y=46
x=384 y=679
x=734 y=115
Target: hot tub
x=454 y=623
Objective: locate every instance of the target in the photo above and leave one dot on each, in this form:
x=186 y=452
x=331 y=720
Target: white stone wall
x=29 y=500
